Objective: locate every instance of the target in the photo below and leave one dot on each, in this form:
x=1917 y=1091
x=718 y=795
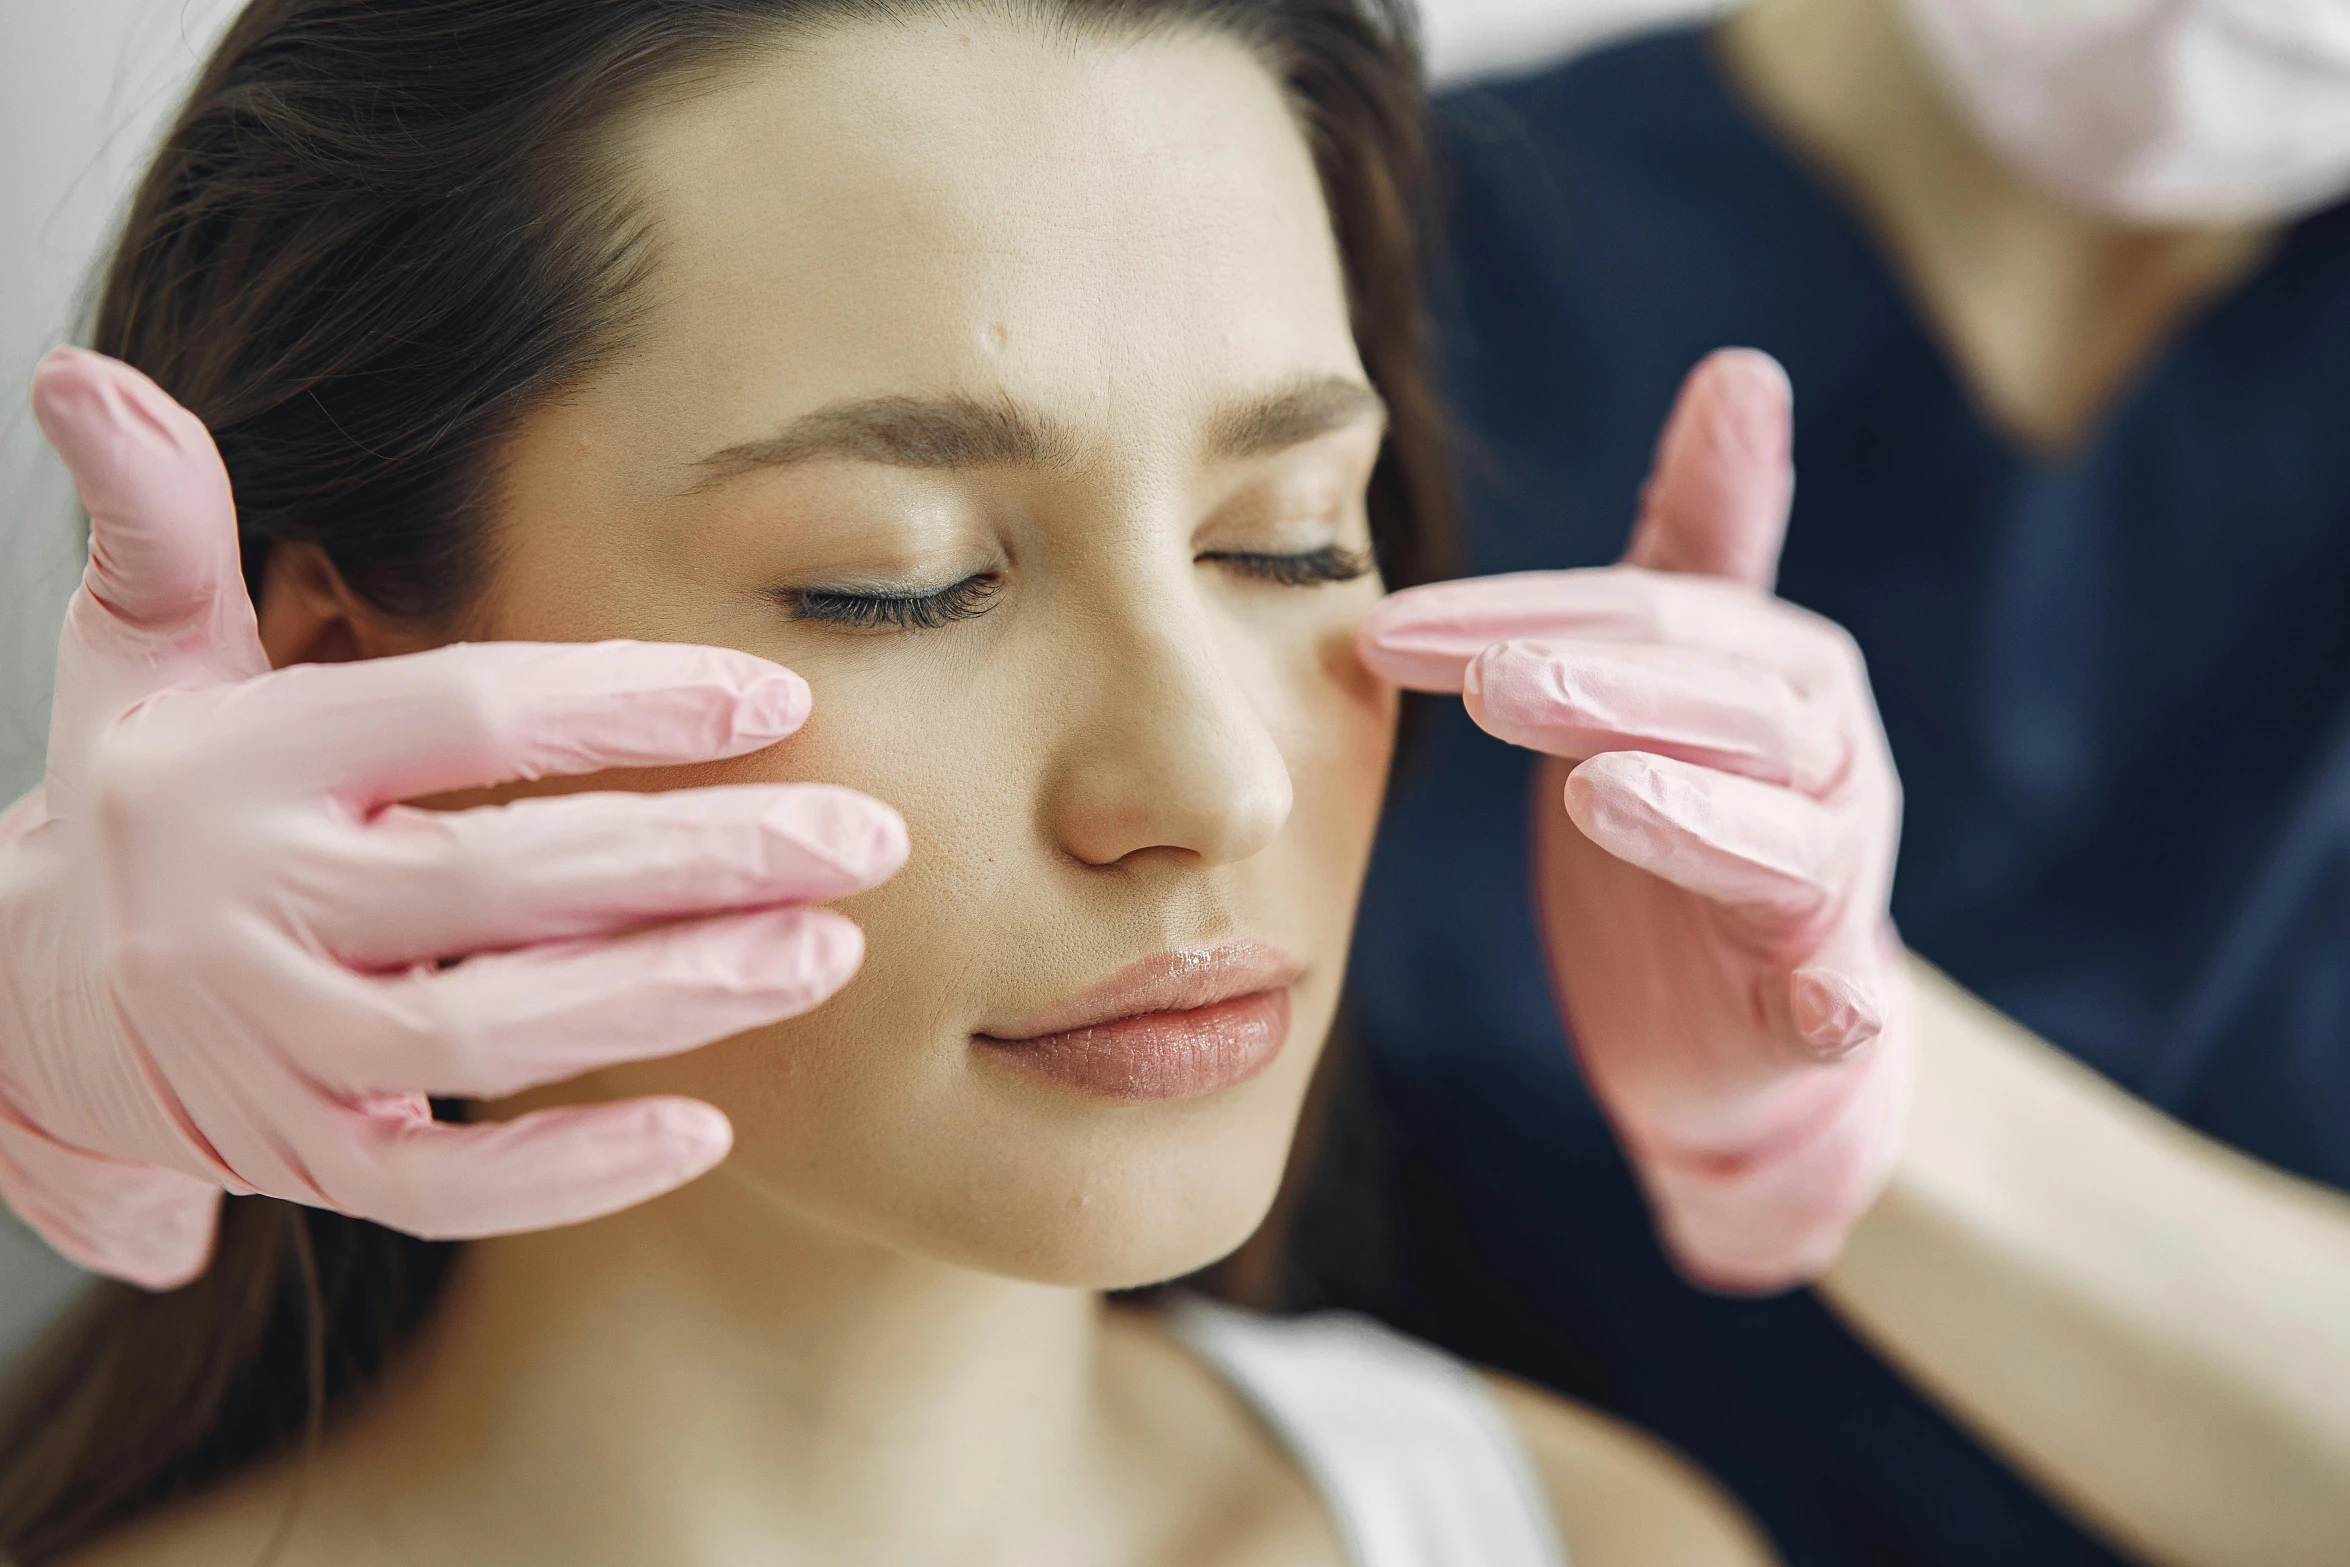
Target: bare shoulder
x=1623 y=1498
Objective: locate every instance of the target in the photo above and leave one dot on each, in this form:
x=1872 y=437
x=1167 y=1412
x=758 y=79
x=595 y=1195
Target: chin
x=1110 y=1198
x=1120 y=1240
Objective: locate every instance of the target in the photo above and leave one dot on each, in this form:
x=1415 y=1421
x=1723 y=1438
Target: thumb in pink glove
x=1714 y=892
x=231 y=960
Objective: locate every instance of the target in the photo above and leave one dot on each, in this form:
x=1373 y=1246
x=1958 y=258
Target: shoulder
x=1622 y=1498
x=1366 y=1402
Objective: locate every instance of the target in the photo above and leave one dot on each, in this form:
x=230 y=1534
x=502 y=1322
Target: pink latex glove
x=224 y=947
x=1713 y=895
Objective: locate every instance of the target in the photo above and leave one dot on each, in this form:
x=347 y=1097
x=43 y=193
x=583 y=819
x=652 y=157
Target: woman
x=991 y=366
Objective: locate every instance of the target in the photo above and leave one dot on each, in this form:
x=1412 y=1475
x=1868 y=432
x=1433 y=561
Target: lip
x=1176 y=1025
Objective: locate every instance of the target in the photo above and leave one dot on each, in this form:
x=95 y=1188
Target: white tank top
x=1416 y=1462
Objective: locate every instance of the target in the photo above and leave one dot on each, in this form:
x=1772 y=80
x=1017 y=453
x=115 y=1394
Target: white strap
x=1417 y=1463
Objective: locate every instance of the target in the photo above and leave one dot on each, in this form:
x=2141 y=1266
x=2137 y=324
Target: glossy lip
x=1173 y=1026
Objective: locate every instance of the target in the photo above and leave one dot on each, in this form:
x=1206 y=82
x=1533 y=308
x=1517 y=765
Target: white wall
x=83 y=87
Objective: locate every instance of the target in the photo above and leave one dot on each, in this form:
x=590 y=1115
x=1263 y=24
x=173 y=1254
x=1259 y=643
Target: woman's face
x=1002 y=386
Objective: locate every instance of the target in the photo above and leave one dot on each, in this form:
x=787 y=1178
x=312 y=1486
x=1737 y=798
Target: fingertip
x=1408 y=655
x=1741 y=405
x=64 y=371
x=1511 y=691
x=151 y=1228
x=154 y=1264
x=771 y=701
x=68 y=399
x=1376 y=620
x=1474 y=673
x=1401 y=608
x=1835 y=1015
x=1473 y=685
x=541 y=1171
x=1614 y=800
x=760 y=701
x=59 y=370
x=176 y=1240
x=826 y=950
x=1605 y=779
x=74 y=387
x=757 y=700
x=866 y=836
x=163 y=547
x=891 y=844
x=1717 y=497
x=1577 y=794
x=1752 y=372
x=695 y=1135
x=174 y=1274
x=795 y=957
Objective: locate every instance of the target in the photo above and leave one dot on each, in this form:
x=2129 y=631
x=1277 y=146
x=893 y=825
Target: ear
x=309 y=615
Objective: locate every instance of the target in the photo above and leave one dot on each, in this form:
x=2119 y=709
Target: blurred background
x=84 y=87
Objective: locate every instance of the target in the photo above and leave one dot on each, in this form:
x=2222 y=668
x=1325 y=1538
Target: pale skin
x=2146 y=1323
x=1097 y=275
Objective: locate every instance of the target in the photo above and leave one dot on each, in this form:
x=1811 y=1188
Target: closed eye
x=869 y=611
x=862 y=610
x=1330 y=563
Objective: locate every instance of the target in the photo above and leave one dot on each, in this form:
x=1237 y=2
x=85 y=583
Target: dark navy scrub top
x=2117 y=685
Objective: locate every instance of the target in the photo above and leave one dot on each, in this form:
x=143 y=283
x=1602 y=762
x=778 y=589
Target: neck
x=705 y=1380
x=2049 y=310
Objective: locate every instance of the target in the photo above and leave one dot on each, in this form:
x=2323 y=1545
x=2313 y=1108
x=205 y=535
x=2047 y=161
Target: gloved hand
x=224 y=947
x=1714 y=892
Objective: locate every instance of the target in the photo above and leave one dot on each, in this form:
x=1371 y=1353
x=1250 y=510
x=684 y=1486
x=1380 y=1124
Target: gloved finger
x=1770 y=855
x=441 y=884
x=164 y=572
x=1717 y=496
x=1577 y=699
x=473 y=714
x=445 y=1181
x=505 y=1021
x=138 y=1223
x=1838 y=1001
x=1424 y=638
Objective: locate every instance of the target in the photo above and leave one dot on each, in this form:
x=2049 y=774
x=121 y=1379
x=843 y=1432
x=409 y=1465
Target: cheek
x=943 y=739
x=950 y=746
x=1341 y=743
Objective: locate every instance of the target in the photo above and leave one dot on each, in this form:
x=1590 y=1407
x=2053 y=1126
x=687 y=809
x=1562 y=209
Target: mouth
x=1174 y=1026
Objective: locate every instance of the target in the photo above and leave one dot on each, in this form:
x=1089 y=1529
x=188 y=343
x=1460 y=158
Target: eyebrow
x=965 y=432
x=1291 y=415
x=905 y=432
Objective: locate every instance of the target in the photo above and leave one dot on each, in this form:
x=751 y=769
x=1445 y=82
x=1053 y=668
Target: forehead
x=961 y=204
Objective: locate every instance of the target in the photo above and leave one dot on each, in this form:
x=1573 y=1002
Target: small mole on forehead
x=993 y=336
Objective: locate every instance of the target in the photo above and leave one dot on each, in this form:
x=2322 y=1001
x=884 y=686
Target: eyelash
x=1330 y=563
x=894 y=611
x=974 y=596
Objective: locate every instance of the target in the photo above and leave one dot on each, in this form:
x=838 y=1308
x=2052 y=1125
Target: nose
x=1168 y=753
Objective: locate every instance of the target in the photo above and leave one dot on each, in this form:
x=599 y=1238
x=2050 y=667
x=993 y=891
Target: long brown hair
x=379 y=233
